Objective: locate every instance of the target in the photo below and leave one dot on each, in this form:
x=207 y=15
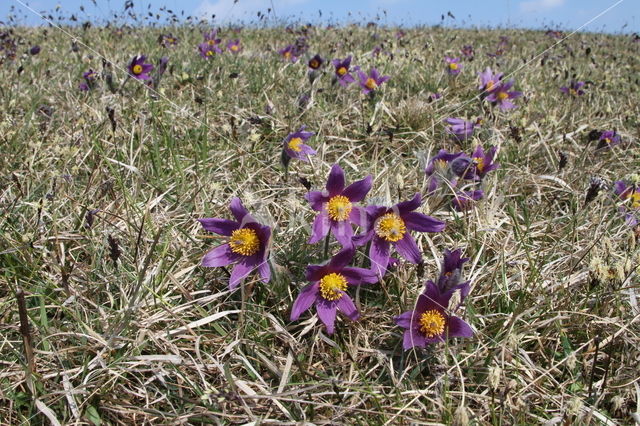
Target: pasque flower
x=372 y=81
x=430 y=321
x=89 y=82
x=315 y=62
x=501 y=95
x=328 y=289
x=574 y=88
x=208 y=50
x=168 y=40
x=247 y=246
x=630 y=195
x=234 y=46
x=342 y=71
x=484 y=161
x=210 y=38
x=336 y=208
x=464 y=199
x=295 y=147
x=450 y=278
x=460 y=128
x=467 y=51
x=449 y=167
x=138 y=69
x=289 y=53
x=489 y=80
x=609 y=139
x=453 y=65
x=389 y=226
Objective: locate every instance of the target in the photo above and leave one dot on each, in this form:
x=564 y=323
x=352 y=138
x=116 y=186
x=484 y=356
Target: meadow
x=108 y=316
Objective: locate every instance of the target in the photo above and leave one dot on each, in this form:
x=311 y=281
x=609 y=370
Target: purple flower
x=342 y=71
x=288 y=53
x=138 y=69
x=248 y=245
x=295 y=147
x=453 y=65
x=464 y=200
x=208 y=50
x=371 y=82
x=501 y=96
x=461 y=129
x=448 y=167
x=630 y=194
x=34 y=50
x=483 y=161
x=390 y=226
x=328 y=288
x=609 y=139
x=89 y=82
x=450 y=278
x=336 y=208
x=168 y=40
x=429 y=322
x=555 y=34
x=574 y=88
x=489 y=80
x=233 y=46
x=315 y=62
x=210 y=38
x=467 y=51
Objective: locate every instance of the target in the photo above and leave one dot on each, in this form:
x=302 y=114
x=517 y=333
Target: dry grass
x=154 y=338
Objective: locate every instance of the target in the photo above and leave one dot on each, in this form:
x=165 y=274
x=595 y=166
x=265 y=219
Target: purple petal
x=219 y=226
x=315 y=272
x=408 y=249
x=412 y=338
x=237 y=209
x=219 y=256
x=343 y=232
x=327 y=314
x=305 y=299
x=422 y=223
x=362 y=239
x=358 y=216
x=356 y=276
x=316 y=199
x=459 y=328
x=346 y=306
x=379 y=254
x=265 y=271
x=406 y=319
x=335 y=181
x=342 y=259
x=240 y=272
x=320 y=229
x=407 y=206
x=358 y=189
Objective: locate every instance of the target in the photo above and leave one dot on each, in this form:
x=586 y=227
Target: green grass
x=554 y=281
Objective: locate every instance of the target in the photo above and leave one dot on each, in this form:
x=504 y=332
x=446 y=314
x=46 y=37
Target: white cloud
x=540 y=5
x=234 y=10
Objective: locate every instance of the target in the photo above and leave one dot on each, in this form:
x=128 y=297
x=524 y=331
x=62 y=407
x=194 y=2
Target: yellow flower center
x=502 y=96
x=234 y=47
x=244 y=241
x=489 y=85
x=342 y=71
x=137 y=69
x=479 y=163
x=608 y=140
x=453 y=66
x=339 y=208
x=314 y=64
x=390 y=227
x=635 y=199
x=286 y=54
x=573 y=92
x=332 y=286
x=432 y=323
x=209 y=53
x=371 y=83
x=294 y=144
x=211 y=42
x=441 y=164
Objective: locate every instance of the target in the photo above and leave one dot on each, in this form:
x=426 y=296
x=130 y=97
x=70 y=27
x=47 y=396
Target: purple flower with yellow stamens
x=89 y=82
x=168 y=40
x=464 y=200
x=574 y=88
x=336 y=207
x=207 y=50
x=430 y=322
x=609 y=139
x=489 y=80
x=328 y=289
x=450 y=278
x=343 y=72
x=484 y=161
x=501 y=95
x=630 y=195
x=288 y=53
x=248 y=246
x=467 y=51
x=210 y=38
x=372 y=81
x=295 y=147
x=453 y=65
x=460 y=128
x=390 y=226
x=449 y=167
x=138 y=69
x=234 y=46
x=316 y=62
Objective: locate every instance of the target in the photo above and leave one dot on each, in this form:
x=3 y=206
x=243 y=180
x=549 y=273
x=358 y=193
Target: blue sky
x=564 y=14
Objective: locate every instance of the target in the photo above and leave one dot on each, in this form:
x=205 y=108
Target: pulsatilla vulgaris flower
x=207 y=50
x=484 y=161
x=430 y=322
x=630 y=195
x=210 y=38
x=574 y=88
x=449 y=167
x=248 y=245
x=342 y=72
x=501 y=95
x=168 y=40
x=234 y=46
x=328 y=289
x=336 y=207
x=450 y=278
x=289 y=53
x=489 y=80
x=295 y=147
x=608 y=139
x=372 y=81
x=453 y=65
x=138 y=69
x=90 y=78
x=460 y=128
x=315 y=62
x=464 y=200
x=467 y=51
x=390 y=226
